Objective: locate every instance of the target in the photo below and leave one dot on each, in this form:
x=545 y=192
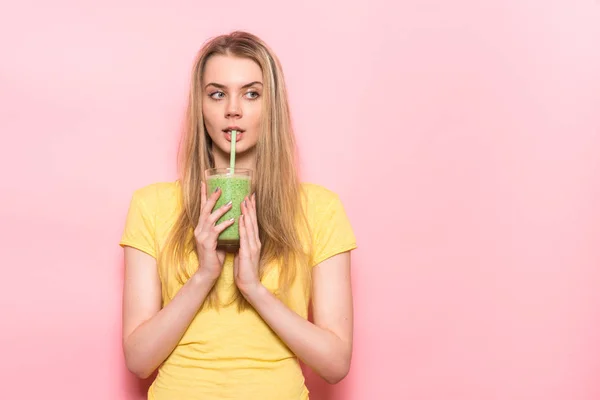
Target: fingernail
x=216 y=190
x=245 y=204
x=228 y=204
x=231 y=219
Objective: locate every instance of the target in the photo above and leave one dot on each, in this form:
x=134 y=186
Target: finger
x=207 y=209
x=223 y=225
x=218 y=213
x=253 y=213
x=253 y=203
x=243 y=235
x=211 y=232
x=251 y=226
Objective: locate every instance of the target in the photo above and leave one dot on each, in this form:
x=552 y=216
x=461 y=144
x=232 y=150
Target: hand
x=206 y=234
x=246 y=262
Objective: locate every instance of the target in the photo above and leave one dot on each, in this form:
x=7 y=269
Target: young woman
x=233 y=325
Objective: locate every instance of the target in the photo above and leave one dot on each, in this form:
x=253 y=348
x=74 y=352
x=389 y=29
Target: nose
x=233 y=108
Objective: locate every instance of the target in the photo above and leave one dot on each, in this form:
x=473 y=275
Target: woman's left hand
x=246 y=262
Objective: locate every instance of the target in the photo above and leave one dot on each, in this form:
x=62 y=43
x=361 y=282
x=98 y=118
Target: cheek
x=256 y=114
x=209 y=116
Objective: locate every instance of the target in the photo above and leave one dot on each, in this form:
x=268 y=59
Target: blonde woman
x=219 y=324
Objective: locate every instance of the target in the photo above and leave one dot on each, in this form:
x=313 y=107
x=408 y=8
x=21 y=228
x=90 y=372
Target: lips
x=233 y=128
x=238 y=136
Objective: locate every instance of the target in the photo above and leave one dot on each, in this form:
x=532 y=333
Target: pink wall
x=470 y=139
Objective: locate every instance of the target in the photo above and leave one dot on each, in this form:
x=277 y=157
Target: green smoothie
x=234 y=188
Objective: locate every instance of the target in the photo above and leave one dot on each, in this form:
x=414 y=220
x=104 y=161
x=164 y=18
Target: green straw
x=232 y=153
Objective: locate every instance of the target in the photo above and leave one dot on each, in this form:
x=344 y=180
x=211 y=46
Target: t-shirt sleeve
x=139 y=231
x=333 y=233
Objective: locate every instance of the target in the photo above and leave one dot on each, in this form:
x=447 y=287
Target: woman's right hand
x=206 y=234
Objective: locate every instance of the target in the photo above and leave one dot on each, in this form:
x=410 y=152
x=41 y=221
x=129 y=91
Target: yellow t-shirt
x=225 y=354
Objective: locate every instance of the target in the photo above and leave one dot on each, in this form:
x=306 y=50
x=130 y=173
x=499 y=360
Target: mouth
x=238 y=136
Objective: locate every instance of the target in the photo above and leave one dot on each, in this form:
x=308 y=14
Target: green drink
x=235 y=186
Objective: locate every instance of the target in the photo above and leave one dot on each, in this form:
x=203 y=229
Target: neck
x=246 y=159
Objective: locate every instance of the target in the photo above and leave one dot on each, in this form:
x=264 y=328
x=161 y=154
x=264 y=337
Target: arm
x=150 y=333
x=326 y=345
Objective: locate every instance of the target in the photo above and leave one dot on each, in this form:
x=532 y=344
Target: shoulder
x=316 y=195
x=157 y=191
x=329 y=225
x=156 y=195
x=319 y=202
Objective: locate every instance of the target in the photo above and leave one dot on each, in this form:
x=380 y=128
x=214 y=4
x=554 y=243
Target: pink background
x=469 y=134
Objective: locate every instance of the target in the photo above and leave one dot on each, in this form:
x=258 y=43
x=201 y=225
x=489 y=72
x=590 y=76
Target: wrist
x=253 y=292
x=202 y=278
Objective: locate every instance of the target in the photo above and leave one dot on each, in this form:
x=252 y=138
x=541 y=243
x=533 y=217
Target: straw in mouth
x=232 y=152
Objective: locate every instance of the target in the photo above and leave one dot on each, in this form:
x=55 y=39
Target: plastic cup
x=235 y=185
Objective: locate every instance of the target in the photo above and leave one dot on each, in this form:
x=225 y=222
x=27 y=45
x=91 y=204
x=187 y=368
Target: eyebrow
x=220 y=86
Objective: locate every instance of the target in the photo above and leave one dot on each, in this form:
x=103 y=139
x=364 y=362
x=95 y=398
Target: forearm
x=153 y=340
x=320 y=349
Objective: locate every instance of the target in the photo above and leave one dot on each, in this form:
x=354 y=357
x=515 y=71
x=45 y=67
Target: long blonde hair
x=276 y=181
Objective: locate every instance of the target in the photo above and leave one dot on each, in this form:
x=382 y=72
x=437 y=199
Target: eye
x=217 y=95
x=253 y=95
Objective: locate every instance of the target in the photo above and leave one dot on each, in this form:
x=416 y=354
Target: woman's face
x=232 y=90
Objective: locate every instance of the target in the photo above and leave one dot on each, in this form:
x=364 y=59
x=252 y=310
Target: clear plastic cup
x=234 y=187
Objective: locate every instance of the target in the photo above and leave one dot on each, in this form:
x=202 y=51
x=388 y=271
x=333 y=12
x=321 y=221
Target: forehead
x=231 y=71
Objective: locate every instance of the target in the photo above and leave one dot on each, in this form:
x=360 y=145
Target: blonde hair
x=276 y=181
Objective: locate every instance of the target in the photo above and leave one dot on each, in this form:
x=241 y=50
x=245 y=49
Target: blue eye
x=253 y=95
x=217 y=95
